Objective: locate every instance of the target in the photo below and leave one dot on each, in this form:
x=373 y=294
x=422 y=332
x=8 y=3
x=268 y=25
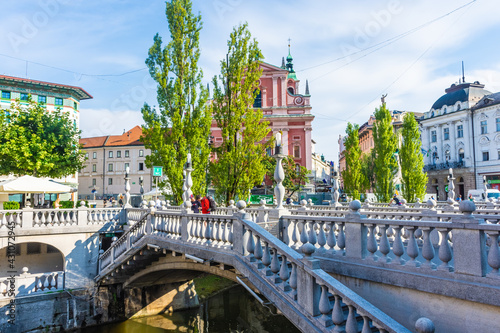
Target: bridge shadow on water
x=232 y=310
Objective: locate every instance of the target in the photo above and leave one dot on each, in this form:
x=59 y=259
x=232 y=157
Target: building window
x=58 y=101
x=34 y=248
x=6 y=94
x=460 y=131
x=127 y=153
x=141 y=166
x=498 y=124
x=94 y=181
x=257 y=103
x=24 y=97
x=119 y=153
x=110 y=154
x=86 y=156
x=110 y=181
x=141 y=153
x=296 y=151
x=42 y=99
x=269 y=151
x=499 y=154
x=75 y=105
x=484 y=127
x=444 y=111
x=94 y=155
x=127 y=165
x=446 y=133
x=110 y=167
x=447 y=155
x=94 y=167
x=486 y=156
x=461 y=155
x=433 y=136
x=52 y=249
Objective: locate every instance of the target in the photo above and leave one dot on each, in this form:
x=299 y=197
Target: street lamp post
x=188 y=182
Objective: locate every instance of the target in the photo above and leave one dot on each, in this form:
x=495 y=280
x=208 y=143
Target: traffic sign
x=157 y=171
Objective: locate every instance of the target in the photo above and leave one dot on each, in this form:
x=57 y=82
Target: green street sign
x=494 y=181
x=446 y=188
x=157 y=171
x=255 y=198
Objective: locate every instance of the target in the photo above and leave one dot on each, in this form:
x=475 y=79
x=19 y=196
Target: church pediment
x=271 y=68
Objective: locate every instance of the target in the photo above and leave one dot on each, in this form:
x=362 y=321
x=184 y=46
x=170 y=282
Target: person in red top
x=205 y=206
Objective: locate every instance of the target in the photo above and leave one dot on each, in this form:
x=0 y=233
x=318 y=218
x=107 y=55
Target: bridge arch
x=156 y=273
x=38 y=257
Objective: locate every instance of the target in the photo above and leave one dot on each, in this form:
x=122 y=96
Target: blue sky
x=410 y=50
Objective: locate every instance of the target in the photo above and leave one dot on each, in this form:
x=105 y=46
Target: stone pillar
x=83 y=215
x=27 y=218
x=308 y=291
x=355 y=233
x=469 y=245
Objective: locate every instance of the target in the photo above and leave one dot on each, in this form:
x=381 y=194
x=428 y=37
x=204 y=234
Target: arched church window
x=461 y=155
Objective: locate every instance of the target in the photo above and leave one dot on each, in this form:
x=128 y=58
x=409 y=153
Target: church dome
x=468 y=93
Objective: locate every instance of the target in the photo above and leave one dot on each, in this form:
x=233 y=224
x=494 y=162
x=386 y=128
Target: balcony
x=446 y=165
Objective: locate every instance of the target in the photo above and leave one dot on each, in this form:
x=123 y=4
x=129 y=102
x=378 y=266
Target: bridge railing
x=327 y=302
x=28 y=284
x=463 y=244
x=29 y=218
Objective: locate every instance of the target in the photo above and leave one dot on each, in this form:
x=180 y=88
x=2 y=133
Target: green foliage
x=11 y=205
x=354 y=180
x=295 y=174
x=38 y=143
x=368 y=169
x=182 y=122
x=385 y=145
x=239 y=164
x=412 y=161
x=67 y=204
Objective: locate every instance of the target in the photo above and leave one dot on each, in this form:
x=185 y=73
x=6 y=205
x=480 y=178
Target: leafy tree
x=368 y=169
x=239 y=166
x=182 y=123
x=295 y=174
x=353 y=178
x=38 y=143
x=385 y=145
x=412 y=161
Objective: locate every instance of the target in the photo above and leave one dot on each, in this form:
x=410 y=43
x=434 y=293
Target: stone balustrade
x=53 y=219
x=297 y=280
x=457 y=244
x=28 y=284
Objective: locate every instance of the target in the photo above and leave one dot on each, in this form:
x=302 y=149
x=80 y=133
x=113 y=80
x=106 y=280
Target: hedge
x=11 y=205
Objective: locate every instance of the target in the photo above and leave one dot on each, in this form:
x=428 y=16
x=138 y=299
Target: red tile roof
x=128 y=138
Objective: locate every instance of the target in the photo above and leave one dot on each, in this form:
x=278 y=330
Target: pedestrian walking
x=195 y=203
x=205 y=205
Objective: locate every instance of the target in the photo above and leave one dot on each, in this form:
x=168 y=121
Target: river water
x=231 y=311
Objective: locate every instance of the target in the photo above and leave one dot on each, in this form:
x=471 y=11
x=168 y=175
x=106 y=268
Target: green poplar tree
x=182 y=122
x=385 y=146
x=412 y=161
x=239 y=163
x=353 y=179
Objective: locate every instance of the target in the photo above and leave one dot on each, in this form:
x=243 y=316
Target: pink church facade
x=286 y=110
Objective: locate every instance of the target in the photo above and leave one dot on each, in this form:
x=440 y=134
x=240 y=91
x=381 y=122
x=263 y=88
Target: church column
x=308 y=147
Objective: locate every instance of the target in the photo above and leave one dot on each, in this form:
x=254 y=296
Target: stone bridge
x=330 y=266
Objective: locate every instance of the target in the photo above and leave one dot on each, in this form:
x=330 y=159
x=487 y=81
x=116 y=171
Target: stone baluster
x=397 y=246
x=331 y=239
x=295 y=234
x=208 y=232
x=49 y=218
x=36 y=220
x=258 y=253
x=275 y=266
x=444 y=253
x=199 y=230
x=266 y=259
x=351 y=324
x=427 y=248
x=321 y=236
x=384 y=246
x=412 y=248
x=494 y=254
x=45 y=282
x=284 y=273
x=366 y=325
x=371 y=245
x=338 y=314
x=312 y=233
x=303 y=235
x=341 y=238
x=325 y=307
x=250 y=248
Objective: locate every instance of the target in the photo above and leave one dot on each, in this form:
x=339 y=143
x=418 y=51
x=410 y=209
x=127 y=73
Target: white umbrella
x=30 y=184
